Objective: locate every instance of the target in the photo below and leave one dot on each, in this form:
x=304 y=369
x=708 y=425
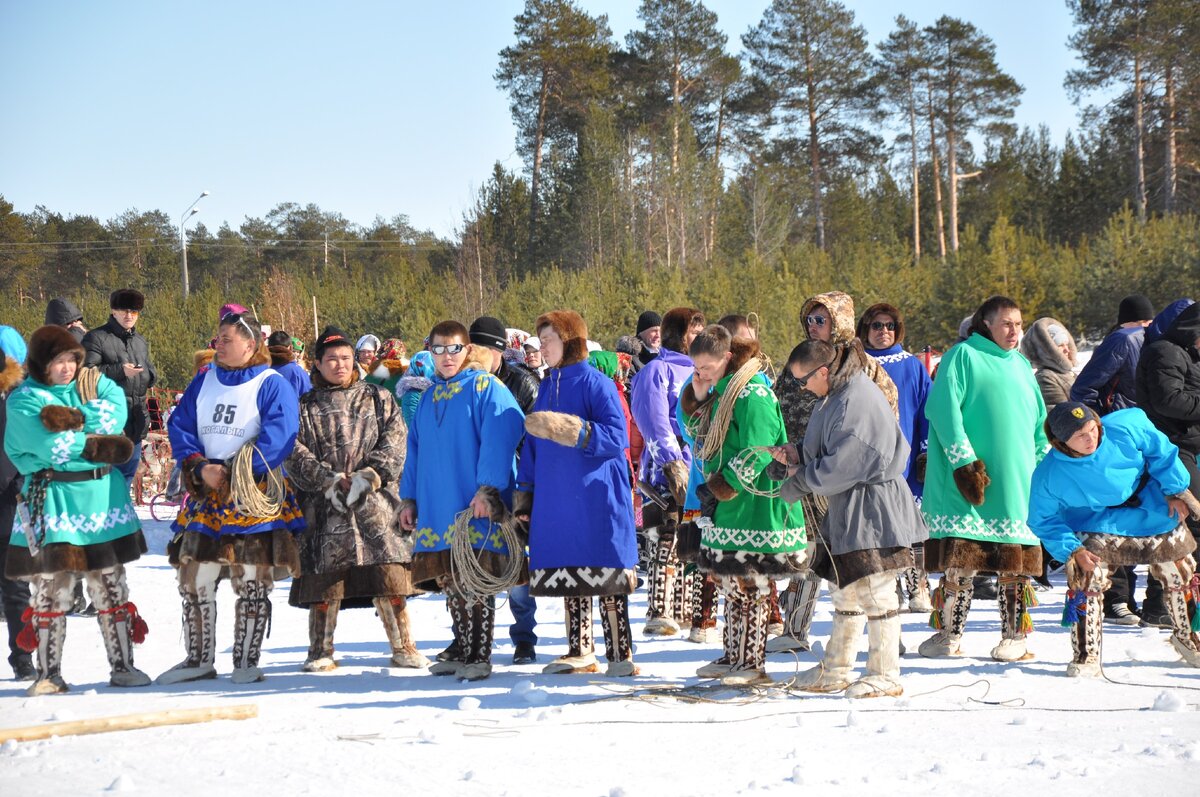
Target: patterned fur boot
x=798 y=604
x=198 y=591
x=460 y=616
x=660 y=594
x=618 y=638
x=950 y=618
x=748 y=657
x=704 y=611
x=393 y=613
x=1178 y=583
x=322 y=621
x=581 y=649
x=479 y=640
x=1014 y=619
x=46 y=621
x=251 y=624
x=1086 y=635
x=120 y=624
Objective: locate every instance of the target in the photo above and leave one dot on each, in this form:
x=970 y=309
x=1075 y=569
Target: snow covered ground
x=965 y=726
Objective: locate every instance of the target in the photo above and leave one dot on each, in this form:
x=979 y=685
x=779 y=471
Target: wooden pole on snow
x=129 y=722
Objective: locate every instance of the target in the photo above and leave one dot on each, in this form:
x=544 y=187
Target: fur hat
x=648 y=320
x=571 y=327
x=330 y=336
x=127 y=299
x=489 y=332
x=46 y=344
x=675 y=325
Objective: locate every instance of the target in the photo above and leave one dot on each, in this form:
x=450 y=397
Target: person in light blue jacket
x=1113 y=493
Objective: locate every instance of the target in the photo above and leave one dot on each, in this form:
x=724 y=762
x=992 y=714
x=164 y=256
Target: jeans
x=15 y=594
x=523 y=606
x=129 y=469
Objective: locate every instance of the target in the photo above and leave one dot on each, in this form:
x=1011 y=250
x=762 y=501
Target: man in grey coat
x=854 y=454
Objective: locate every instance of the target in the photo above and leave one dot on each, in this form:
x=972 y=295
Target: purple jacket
x=654 y=396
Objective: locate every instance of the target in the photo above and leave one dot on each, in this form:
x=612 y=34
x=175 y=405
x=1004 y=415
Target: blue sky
x=365 y=108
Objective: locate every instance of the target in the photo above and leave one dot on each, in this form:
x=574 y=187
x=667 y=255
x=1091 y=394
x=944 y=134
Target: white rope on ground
x=469 y=576
x=244 y=493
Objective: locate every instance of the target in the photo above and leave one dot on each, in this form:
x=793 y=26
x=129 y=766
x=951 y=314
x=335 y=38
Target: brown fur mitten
x=60 y=418
x=721 y=489
x=919 y=467
x=111 y=449
x=971 y=481
x=522 y=502
x=557 y=427
x=676 y=474
x=495 y=502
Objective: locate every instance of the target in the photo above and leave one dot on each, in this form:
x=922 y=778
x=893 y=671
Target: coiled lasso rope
x=469 y=576
x=243 y=486
x=87 y=384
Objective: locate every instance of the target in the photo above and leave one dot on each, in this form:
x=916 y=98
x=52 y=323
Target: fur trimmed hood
x=573 y=330
x=202 y=358
x=260 y=357
x=46 y=344
x=281 y=355
x=319 y=383
x=1039 y=347
x=841 y=308
x=11 y=374
x=417 y=383
x=478 y=359
x=848 y=361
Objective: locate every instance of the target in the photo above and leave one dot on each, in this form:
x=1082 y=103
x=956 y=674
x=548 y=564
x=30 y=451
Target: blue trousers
x=130 y=468
x=523 y=606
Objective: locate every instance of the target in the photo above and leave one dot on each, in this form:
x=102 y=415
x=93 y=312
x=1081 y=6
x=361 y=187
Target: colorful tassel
x=137 y=626
x=27 y=639
x=1075 y=608
x=938 y=600
x=1029 y=596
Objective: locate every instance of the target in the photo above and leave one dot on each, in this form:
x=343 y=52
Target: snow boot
x=1015 y=597
x=581 y=648
x=322 y=621
x=618 y=638
x=951 y=604
x=1179 y=594
x=882 y=678
x=798 y=603
x=835 y=671
x=197 y=588
x=393 y=613
x=120 y=624
x=251 y=623
x=46 y=629
x=1085 y=604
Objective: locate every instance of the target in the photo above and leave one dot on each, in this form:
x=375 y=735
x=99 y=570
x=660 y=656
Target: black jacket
x=522 y=382
x=111 y=346
x=1168 y=381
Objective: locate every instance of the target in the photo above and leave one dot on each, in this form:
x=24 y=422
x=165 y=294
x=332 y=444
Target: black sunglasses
x=803 y=381
x=879 y=326
x=452 y=349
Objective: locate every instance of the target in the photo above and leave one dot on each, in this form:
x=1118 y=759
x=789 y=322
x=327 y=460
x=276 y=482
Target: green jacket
x=76 y=513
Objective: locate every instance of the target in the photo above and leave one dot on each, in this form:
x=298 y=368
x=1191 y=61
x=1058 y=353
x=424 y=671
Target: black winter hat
x=489 y=332
x=647 y=320
x=127 y=299
x=1068 y=418
x=1135 y=308
x=331 y=336
x=62 y=312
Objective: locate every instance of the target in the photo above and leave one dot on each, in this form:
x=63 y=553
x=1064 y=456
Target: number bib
x=227 y=416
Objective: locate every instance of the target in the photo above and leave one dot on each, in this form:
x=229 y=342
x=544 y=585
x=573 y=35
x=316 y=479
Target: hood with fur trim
x=1040 y=349
x=571 y=327
x=281 y=355
x=11 y=374
x=841 y=308
x=202 y=359
x=46 y=344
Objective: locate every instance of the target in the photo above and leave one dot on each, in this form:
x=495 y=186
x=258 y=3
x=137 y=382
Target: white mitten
x=333 y=496
x=362 y=482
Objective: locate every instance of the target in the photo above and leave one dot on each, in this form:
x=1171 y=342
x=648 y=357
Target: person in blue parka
x=1113 y=492
x=574 y=485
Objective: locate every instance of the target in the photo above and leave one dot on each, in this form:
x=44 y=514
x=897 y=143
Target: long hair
x=882 y=308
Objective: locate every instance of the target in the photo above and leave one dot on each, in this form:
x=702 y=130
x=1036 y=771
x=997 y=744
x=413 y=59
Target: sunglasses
x=803 y=381
x=815 y=320
x=238 y=318
x=879 y=326
x=452 y=349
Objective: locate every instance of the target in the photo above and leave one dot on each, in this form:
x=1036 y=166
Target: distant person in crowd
x=489 y=339
x=346 y=467
x=1114 y=492
x=985 y=437
x=416 y=380
x=1108 y=380
x=123 y=356
x=62 y=312
x=13 y=591
x=533 y=356
x=12 y=343
x=649 y=332
x=881 y=330
x=389 y=365
x=285 y=352
x=1168 y=389
x=1050 y=348
x=364 y=353
x=63 y=436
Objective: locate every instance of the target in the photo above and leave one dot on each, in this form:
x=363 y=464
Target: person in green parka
x=74 y=517
x=749 y=536
x=985 y=438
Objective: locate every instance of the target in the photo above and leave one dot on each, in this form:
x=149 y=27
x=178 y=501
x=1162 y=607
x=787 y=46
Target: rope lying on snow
x=247 y=498
x=469 y=576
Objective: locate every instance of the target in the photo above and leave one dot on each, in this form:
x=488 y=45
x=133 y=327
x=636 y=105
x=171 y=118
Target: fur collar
x=281 y=355
x=386 y=369
x=318 y=381
x=202 y=358
x=848 y=361
x=478 y=359
x=417 y=383
x=11 y=376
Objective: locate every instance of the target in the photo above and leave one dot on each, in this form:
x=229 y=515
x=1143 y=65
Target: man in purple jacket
x=664 y=467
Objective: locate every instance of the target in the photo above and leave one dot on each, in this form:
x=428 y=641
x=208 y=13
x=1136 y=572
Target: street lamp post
x=187 y=214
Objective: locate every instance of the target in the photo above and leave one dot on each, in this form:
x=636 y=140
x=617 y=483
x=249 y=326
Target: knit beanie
x=1135 y=308
x=490 y=333
x=647 y=320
